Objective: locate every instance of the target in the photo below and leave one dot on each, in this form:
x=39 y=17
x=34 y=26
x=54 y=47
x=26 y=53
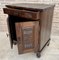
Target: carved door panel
x=26 y=37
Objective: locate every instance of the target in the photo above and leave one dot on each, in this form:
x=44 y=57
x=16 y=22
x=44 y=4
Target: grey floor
x=50 y=52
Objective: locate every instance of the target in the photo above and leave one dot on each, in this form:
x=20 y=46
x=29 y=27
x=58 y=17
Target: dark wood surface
x=45 y=26
x=27 y=36
x=42 y=13
x=22 y=13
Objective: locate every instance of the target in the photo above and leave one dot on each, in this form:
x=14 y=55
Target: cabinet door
x=27 y=40
x=28 y=36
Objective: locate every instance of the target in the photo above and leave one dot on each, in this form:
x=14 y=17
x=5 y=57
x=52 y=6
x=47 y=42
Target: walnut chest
x=29 y=26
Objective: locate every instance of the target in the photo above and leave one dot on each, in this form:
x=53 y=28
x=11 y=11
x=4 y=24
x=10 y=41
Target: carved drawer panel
x=27 y=37
x=23 y=13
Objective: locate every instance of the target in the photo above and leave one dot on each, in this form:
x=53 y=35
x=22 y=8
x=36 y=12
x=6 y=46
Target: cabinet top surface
x=31 y=5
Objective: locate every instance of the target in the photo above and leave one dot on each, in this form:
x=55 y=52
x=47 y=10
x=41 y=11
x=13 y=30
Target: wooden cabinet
x=30 y=26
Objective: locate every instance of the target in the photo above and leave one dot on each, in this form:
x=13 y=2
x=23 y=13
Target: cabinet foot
x=48 y=43
x=38 y=54
x=7 y=34
x=14 y=42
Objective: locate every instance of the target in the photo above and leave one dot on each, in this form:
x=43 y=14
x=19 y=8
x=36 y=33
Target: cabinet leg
x=14 y=42
x=48 y=43
x=11 y=46
x=38 y=54
x=7 y=34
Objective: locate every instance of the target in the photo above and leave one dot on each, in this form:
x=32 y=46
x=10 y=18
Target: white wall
x=3 y=17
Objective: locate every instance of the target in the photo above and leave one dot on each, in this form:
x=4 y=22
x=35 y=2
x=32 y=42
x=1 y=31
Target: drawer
x=23 y=13
x=11 y=11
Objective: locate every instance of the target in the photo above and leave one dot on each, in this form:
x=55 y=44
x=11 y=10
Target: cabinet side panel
x=49 y=22
x=46 y=22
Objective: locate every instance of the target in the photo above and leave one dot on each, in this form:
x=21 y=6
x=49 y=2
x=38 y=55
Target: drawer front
x=11 y=11
x=23 y=13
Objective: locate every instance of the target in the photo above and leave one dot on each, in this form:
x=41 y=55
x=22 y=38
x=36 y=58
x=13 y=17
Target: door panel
x=27 y=40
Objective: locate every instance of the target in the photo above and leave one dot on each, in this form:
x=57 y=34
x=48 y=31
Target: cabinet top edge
x=31 y=6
